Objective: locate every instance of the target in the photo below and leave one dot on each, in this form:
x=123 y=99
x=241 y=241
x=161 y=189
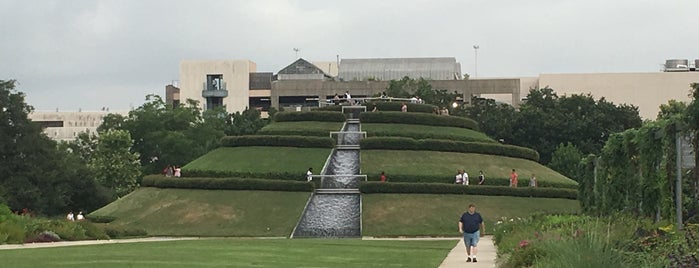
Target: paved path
x=486 y=255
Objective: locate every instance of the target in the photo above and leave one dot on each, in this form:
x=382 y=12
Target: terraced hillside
x=410 y=148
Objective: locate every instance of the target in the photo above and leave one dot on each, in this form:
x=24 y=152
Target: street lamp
x=475 y=49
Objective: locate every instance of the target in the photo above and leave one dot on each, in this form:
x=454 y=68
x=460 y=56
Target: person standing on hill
x=309 y=174
x=513 y=178
x=459 y=179
x=472 y=227
x=532 y=181
x=464 y=176
x=383 y=176
x=481 y=178
x=404 y=108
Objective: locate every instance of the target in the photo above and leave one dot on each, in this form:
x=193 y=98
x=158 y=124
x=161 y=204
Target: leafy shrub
x=426 y=135
x=288 y=176
x=419 y=119
x=11 y=232
x=45 y=236
x=122 y=232
x=67 y=230
x=276 y=140
x=92 y=231
x=442 y=188
x=227 y=184
x=100 y=218
x=325 y=116
x=401 y=143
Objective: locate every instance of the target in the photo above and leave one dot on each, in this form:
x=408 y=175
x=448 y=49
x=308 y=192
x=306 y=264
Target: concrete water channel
x=334 y=210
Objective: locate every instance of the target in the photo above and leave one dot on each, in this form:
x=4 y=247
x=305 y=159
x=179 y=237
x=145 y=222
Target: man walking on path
x=471 y=225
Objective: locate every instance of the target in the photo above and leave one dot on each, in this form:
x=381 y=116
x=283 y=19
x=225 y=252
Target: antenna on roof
x=297 y=52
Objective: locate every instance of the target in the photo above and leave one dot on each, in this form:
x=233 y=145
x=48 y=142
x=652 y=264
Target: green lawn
x=185 y=212
x=445 y=164
x=426 y=214
x=424 y=132
x=301 y=128
x=260 y=159
x=238 y=253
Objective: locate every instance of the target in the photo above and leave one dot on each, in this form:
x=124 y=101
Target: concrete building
x=217 y=83
x=302 y=84
x=397 y=68
x=65 y=126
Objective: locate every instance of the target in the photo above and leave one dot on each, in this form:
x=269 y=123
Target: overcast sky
x=91 y=54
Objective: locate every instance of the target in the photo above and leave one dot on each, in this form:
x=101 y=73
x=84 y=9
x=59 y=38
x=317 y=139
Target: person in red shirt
x=513 y=178
x=383 y=177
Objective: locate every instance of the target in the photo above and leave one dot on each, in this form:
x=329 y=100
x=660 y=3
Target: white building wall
x=645 y=90
x=236 y=75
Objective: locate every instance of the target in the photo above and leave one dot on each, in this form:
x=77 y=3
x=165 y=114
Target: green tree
x=246 y=123
x=673 y=107
x=566 y=160
x=165 y=135
x=494 y=119
x=691 y=119
x=35 y=174
x=115 y=166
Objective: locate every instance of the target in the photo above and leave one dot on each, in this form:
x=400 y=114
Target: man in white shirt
x=459 y=177
x=465 y=177
x=309 y=174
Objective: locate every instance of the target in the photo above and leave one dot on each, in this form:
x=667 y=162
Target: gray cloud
x=89 y=54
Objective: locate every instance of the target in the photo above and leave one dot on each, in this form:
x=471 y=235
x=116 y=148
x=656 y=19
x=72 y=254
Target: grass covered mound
x=189 y=212
x=429 y=166
x=284 y=163
x=438 y=215
x=239 y=253
x=424 y=132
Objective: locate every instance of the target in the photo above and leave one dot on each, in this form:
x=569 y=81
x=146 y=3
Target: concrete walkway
x=486 y=255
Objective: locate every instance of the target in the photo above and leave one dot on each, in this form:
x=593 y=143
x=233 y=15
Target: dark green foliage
x=441 y=188
x=546 y=120
x=100 y=218
x=164 y=135
x=35 y=174
x=274 y=140
x=566 y=160
x=246 y=123
x=398 y=143
x=228 y=184
x=494 y=119
x=325 y=116
x=418 y=118
x=123 y=232
x=387 y=106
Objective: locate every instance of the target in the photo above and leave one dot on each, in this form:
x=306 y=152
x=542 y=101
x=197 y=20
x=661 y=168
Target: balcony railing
x=214 y=90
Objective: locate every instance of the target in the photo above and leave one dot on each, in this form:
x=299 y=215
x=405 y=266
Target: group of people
x=514 y=179
x=73 y=217
x=440 y=111
x=462 y=177
x=172 y=171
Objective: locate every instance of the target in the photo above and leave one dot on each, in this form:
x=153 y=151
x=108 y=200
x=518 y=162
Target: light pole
x=475 y=50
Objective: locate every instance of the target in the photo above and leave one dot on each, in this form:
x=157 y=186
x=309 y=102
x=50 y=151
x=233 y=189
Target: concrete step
x=353 y=120
x=337 y=191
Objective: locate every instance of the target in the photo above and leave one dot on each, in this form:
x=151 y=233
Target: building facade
x=65 y=126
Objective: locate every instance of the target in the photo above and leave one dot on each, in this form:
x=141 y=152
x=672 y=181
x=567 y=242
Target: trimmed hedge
x=227 y=184
x=491 y=148
x=288 y=176
x=325 y=116
x=100 y=218
x=489 y=181
x=440 y=188
x=278 y=140
x=295 y=132
x=386 y=106
x=418 y=119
